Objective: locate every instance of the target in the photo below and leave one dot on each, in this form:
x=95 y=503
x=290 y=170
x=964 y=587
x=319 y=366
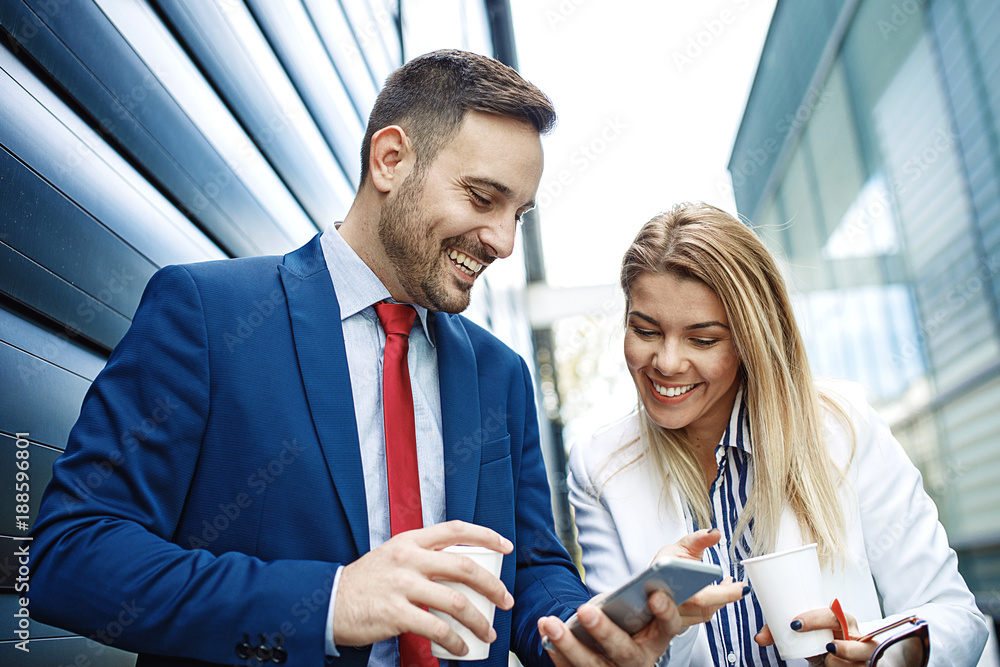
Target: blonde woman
x=734 y=451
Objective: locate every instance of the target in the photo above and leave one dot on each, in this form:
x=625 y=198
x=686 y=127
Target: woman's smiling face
x=681 y=354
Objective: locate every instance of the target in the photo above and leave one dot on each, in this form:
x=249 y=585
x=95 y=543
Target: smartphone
x=680 y=578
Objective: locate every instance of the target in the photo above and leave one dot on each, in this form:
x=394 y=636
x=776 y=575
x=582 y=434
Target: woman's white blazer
x=899 y=560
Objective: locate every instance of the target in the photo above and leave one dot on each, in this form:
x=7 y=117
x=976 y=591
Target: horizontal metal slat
x=41 y=224
x=79 y=313
x=82 y=50
x=39 y=398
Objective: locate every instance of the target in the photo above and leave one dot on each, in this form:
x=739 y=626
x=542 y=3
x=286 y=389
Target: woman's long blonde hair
x=791 y=464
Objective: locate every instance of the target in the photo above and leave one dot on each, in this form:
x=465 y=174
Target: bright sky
x=649 y=95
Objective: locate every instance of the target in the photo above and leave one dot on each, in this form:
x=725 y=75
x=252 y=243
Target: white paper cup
x=788 y=583
x=478 y=649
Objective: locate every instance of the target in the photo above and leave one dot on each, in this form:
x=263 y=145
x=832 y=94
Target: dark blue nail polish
x=796 y=624
x=831 y=648
x=746 y=589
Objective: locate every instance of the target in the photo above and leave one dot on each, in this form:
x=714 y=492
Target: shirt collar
x=356 y=284
x=738 y=430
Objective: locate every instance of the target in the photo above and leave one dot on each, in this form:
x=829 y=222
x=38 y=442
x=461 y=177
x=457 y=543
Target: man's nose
x=498 y=234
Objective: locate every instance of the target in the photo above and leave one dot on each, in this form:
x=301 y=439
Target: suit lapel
x=319 y=346
x=461 y=416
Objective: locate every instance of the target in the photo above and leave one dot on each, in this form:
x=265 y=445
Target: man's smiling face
x=452 y=218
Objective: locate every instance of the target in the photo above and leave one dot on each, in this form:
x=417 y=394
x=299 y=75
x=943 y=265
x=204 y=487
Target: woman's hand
x=702 y=605
x=844 y=653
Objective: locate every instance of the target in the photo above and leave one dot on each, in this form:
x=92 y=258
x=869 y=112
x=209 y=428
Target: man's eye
x=482 y=201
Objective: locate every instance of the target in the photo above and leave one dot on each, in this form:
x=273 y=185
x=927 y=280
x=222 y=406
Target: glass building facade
x=869 y=158
x=140 y=133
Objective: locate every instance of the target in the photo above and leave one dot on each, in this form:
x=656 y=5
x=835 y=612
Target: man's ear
x=391 y=158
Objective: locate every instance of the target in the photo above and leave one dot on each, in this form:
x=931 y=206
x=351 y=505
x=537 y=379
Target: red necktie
x=401 y=450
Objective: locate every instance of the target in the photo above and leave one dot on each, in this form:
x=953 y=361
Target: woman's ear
x=390 y=159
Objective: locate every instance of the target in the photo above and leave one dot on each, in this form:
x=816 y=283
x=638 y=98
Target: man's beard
x=406 y=237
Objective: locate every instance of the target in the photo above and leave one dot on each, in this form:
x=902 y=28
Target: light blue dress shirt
x=358 y=288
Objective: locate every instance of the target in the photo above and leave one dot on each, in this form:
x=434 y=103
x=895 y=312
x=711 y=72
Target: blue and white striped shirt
x=732 y=629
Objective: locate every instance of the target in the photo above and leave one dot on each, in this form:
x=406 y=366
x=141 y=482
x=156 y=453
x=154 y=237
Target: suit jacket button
x=263 y=652
x=279 y=654
x=243 y=649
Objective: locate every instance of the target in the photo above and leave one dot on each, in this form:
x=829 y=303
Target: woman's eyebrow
x=706 y=325
x=645 y=317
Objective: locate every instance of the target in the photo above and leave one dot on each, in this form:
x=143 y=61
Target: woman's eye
x=704 y=342
x=645 y=333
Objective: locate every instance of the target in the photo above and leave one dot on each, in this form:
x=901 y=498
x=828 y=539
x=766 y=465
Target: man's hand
x=701 y=606
x=380 y=595
x=640 y=650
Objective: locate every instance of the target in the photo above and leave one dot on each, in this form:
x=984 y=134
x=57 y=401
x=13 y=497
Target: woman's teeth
x=467 y=264
x=670 y=392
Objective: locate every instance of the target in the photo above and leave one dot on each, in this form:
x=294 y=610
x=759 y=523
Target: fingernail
x=588 y=616
x=714 y=530
x=658 y=603
x=746 y=589
x=508 y=601
x=796 y=624
x=555 y=634
x=831 y=648
x=547 y=644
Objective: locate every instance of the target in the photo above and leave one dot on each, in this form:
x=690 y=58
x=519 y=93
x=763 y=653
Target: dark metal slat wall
x=144 y=133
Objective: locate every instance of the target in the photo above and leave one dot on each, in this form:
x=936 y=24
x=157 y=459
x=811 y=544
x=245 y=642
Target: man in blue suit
x=222 y=498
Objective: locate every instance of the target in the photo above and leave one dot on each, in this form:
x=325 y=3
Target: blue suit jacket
x=213 y=481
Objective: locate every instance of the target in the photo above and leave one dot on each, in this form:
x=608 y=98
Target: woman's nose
x=670 y=359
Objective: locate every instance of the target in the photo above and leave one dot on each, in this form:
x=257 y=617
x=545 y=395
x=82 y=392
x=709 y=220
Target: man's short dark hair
x=429 y=96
